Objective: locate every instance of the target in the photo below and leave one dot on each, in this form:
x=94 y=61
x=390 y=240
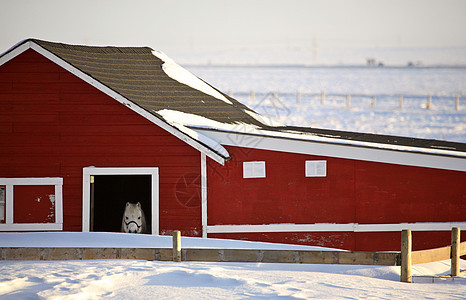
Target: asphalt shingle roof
x=136 y=74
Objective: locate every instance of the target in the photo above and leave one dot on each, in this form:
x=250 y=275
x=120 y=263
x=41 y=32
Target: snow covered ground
x=442 y=121
x=136 y=279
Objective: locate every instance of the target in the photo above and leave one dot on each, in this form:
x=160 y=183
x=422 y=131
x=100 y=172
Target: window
x=29 y=204
x=254 y=169
x=316 y=168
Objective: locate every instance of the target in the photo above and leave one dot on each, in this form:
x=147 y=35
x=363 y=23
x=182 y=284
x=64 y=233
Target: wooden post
x=252 y=96
x=457 y=102
x=230 y=93
x=401 y=101
x=373 y=101
x=455 y=251
x=275 y=98
x=177 y=245
x=348 y=100
x=406 y=247
x=298 y=97
x=429 y=102
x=322 y=98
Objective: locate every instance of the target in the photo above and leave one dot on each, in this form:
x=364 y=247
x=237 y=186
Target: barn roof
x=165 y=92
x=137 y=74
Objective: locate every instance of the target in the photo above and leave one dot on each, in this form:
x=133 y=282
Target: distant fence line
x=302 y=97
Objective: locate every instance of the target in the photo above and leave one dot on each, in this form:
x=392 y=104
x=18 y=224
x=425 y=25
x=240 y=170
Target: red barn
x=85 y=129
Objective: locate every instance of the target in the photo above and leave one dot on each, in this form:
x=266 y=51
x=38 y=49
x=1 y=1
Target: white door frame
x=93 y=171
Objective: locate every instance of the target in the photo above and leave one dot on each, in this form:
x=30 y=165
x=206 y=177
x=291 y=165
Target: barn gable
x=55 y=127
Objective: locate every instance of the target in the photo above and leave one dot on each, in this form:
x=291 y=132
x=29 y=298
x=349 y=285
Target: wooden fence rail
x=204 y=255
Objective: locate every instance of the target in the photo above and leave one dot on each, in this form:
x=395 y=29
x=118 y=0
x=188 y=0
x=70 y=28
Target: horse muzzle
x=133 y=227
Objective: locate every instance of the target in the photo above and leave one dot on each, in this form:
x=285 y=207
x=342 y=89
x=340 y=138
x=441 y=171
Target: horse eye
x=126 y=218
x=139 y=218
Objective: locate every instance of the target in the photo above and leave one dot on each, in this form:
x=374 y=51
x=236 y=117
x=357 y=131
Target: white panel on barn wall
x=316 y=168
x=254 y=169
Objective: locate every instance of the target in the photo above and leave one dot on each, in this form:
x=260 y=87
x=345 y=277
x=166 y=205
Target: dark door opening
x=109 y=194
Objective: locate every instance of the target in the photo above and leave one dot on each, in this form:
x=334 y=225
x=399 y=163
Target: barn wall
x=352 y=192
x=52 y=124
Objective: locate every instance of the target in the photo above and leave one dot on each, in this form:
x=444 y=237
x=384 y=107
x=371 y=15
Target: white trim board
x=204 y=195
x=408 y=158
x=93 y=171
x=103 y=88
x=333 y=227
x=9 y=224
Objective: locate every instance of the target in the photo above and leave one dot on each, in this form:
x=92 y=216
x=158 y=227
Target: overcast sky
x=209 y=24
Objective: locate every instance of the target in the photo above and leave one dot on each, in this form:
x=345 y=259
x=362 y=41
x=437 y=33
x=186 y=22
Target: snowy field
x=444 y=120
x=136 y=279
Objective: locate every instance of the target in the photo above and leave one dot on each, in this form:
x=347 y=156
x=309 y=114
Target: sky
x=209 y=25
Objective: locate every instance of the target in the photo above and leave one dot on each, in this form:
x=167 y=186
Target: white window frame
x=254 y=169
x=9 y=184
x=316 y=168
x=94 y=171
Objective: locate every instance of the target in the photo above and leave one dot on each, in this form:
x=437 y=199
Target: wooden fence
x=204 y=255
x=409 y=257
x=406 y=258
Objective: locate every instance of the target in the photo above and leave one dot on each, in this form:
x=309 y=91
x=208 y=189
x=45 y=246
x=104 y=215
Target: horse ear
x=138 y=204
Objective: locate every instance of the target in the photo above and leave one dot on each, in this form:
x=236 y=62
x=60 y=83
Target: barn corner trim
x=191 y=140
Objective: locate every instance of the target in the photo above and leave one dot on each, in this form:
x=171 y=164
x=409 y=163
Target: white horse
x=134 y=220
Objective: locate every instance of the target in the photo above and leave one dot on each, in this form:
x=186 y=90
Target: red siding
x=34 y=204
x=52 y=124
x=352 y=192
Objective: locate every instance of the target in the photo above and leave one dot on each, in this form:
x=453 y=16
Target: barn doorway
x=109 y=196
x=106 y=191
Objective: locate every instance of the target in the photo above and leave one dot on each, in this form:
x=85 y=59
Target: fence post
x=429 y=102
x=298 y=97
x=322 y=98
x=455 y=251
x=457 y=102
x=401 y=101
x=275 y=99
x=373 y=101
x=348 y=100
x=252 y=96
x=177 y=245
x=406 y=246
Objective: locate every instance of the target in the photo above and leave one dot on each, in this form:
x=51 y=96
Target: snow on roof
x=180 y=74
x=214 y=145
